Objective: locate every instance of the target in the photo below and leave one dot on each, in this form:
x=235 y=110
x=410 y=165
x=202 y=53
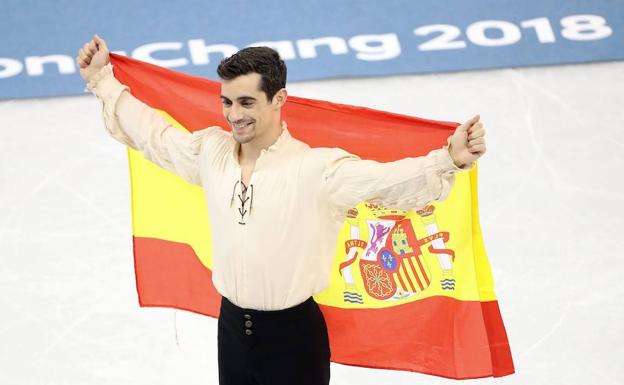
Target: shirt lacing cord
x=243 y=199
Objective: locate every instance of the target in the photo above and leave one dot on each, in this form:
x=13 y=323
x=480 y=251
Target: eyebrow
x=240 y=99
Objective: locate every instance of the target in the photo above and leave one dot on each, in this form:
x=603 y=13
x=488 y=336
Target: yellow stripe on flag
x=184 y=217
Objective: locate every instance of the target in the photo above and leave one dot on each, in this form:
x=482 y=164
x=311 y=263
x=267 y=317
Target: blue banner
x=40 y=40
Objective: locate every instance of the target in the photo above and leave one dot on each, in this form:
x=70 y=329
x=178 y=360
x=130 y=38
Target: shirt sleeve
x=404 y=184
x=135 y=124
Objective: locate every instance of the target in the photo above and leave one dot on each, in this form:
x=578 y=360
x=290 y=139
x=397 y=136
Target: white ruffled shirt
x=293 y=208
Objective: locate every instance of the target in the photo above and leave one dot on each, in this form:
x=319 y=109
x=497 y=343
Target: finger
x=83 y=53
x=477 y=125
x=86 y=48
x=474 y=119
x=476 y=134
x=92 y=48
x=479 y=148
x=467 y=124
x=84 y=56
x=100 y=43
x=82 y=63
x=475 y=141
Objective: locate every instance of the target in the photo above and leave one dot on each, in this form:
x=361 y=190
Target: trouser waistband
x=301 y=308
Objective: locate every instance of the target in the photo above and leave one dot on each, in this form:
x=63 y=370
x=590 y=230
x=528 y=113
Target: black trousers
x=278 y=347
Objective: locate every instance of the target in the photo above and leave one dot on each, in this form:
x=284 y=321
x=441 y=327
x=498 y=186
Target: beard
x=245 y=138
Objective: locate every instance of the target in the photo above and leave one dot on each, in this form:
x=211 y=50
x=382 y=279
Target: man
x=258 y=182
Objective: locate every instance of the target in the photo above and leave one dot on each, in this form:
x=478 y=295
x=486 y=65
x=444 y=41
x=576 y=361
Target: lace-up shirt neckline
x=244 y=185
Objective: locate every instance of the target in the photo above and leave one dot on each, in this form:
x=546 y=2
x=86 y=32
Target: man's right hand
x=92 y=57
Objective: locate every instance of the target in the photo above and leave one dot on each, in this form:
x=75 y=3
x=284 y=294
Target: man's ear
x=280 y=98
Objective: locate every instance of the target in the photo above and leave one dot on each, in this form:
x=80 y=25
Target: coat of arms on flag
x=394 y=263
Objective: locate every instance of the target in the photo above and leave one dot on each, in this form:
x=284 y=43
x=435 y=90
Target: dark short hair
x=262 y=60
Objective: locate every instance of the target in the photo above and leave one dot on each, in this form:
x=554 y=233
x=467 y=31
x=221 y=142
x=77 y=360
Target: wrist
x=455 y=162
x=93 y=79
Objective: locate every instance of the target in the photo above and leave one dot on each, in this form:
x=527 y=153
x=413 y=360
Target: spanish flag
x=410 y=290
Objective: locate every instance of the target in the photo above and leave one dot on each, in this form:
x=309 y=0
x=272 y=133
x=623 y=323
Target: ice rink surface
x=551 y=189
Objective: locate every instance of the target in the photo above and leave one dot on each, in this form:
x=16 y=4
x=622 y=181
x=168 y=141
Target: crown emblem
x=385 y=213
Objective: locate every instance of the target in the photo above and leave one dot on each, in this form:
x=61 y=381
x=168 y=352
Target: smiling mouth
x=239 y=127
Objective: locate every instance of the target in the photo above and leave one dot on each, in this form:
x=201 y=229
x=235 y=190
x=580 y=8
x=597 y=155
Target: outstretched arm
x=406 y=183
x=134 y=123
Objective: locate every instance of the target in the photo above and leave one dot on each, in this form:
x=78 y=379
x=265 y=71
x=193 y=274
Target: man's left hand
x=468 y=142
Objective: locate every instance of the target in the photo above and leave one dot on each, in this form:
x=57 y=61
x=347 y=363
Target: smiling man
x=259 y=182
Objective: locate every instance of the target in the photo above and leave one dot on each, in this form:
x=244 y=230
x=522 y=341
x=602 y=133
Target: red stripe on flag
x=462 y=354
x=195 y=103
x=169 y=274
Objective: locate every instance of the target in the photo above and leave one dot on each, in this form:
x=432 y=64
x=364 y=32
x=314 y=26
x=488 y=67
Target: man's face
x=246 y=107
